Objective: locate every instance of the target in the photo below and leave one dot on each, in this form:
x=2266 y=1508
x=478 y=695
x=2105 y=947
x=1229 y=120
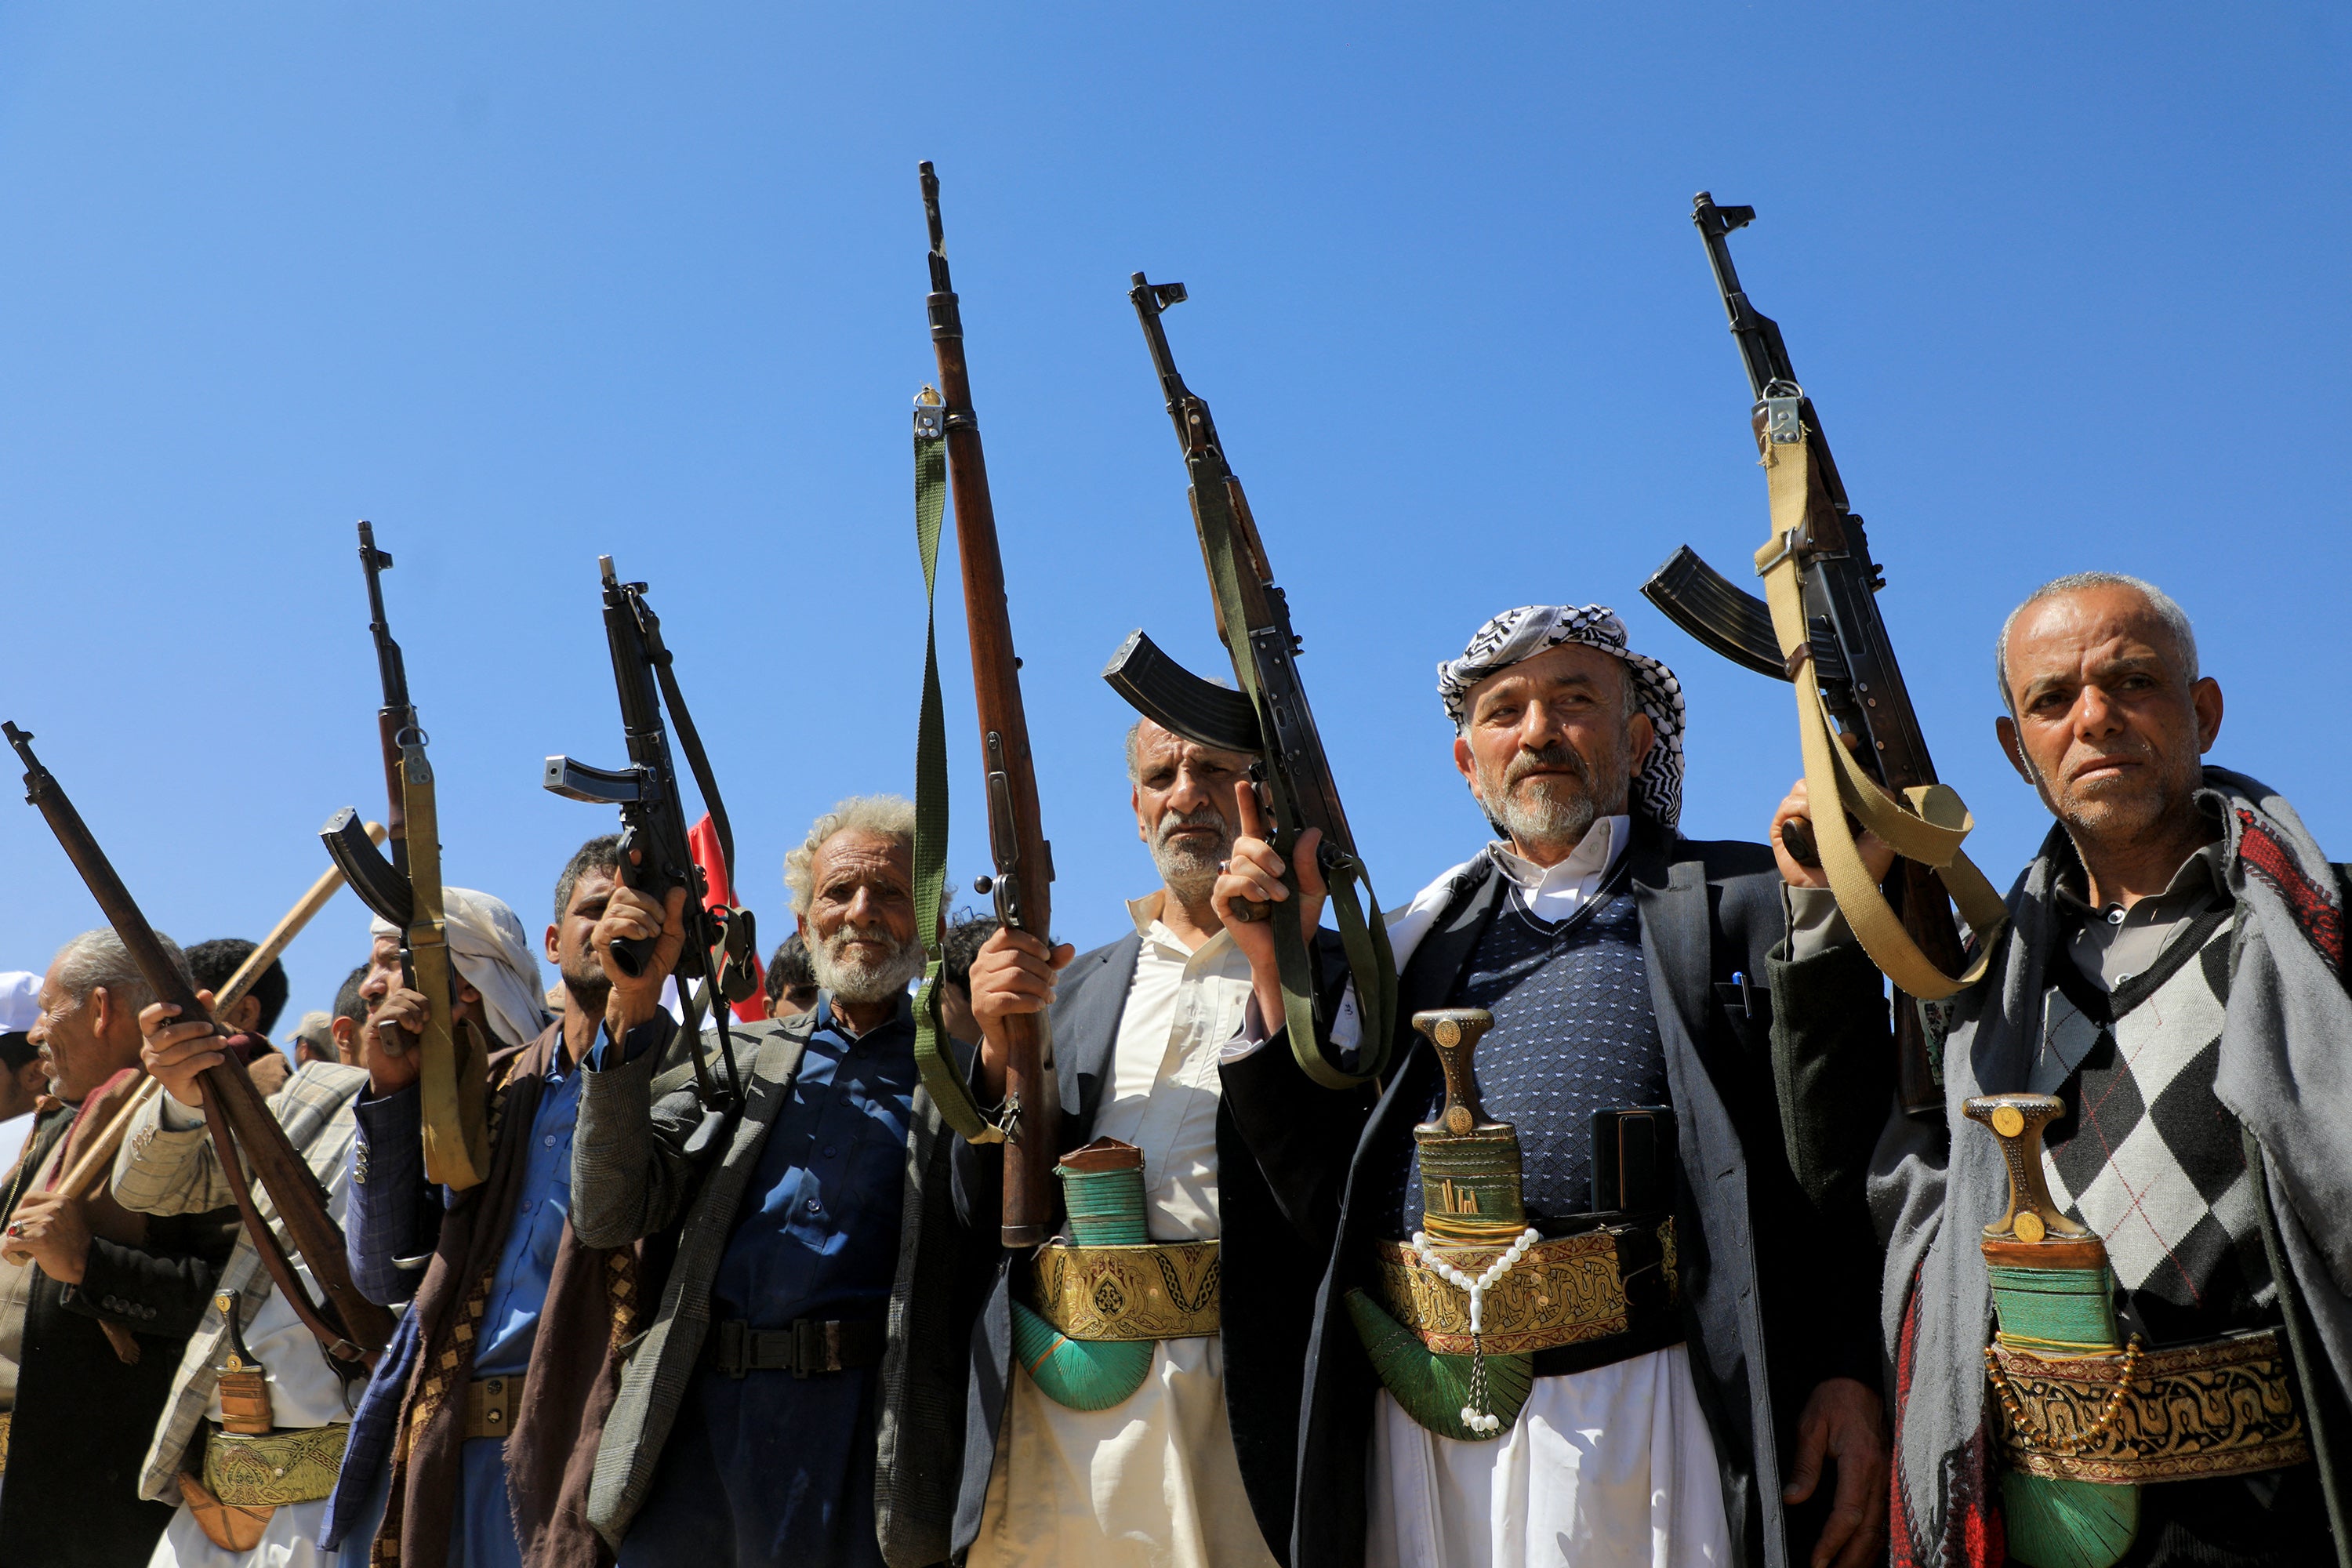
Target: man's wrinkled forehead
x=858 y=856
x=1157 y=747
x=2085 y=631
x=1566 y=666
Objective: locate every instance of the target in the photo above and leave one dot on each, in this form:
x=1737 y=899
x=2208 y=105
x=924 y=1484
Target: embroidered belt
x=1562 y=1291
x=5 y=1417
x=2218 y=1408
x=249 y=1470
x=1155 y=1290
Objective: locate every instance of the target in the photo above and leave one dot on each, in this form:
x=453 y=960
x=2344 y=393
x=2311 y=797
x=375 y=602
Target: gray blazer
x=630 y=1179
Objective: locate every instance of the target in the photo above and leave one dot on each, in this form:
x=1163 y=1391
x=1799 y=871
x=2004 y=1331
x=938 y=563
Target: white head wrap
x=20 y=1001
x=494 y=957
x=1521 y=634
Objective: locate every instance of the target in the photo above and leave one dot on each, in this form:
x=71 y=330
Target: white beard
x=853 y=977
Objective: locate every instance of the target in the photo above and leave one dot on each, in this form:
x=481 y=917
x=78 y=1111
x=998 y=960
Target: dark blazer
x=1758 y=1275
x=83 y=1419
x=632 y=1178
x=1270 y=1261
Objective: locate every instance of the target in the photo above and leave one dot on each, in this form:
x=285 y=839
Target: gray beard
x=1552 y=811
x=852 y=978
x=1191 y=870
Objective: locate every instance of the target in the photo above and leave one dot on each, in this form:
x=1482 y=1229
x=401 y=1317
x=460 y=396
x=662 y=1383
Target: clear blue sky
x=530 y=282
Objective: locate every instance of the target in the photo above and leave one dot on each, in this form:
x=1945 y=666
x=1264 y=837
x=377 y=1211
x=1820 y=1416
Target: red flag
x=703 y=839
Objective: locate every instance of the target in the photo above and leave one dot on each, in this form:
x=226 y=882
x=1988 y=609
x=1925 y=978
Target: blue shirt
x=769 y=1467
x=519 y=1287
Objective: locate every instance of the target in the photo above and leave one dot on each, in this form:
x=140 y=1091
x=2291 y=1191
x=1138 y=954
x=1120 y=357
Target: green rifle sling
x=1365 y=941
x=947 y=1086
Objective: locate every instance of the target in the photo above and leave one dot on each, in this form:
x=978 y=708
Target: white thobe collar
x=1555 y=892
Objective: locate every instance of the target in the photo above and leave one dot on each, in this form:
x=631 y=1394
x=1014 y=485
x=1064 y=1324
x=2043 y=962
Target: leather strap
x=1926 y=824
x=804 y=1347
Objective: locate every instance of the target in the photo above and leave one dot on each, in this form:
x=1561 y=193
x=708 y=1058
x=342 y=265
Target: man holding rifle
x=95 y=1302
x=1192 y=1465
x=253 y=1431
x=2174 y=973
x=1694 y=1343
x=459 y=1446
x=796 y=1399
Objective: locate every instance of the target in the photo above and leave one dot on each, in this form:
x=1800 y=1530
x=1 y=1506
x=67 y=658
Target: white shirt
x=1555 y=892
x=1152 y=1481
x=16 y=1290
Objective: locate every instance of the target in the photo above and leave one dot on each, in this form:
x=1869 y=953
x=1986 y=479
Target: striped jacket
x=164 y=1171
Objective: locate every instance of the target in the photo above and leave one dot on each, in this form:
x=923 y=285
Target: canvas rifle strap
x=947 y=1086
x=1364 y=941
x=1926 y=824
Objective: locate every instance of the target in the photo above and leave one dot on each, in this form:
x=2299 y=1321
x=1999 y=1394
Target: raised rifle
x=719 y=947
x=946 y=434
x=348 y=1324
x=454 y=1060
x=1821 y=610
x=1267 y=717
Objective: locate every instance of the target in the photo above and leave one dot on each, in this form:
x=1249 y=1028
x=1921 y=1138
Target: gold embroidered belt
x=2218 y=1408
x=1563 y=1291
x=1156 y=1291
x=5 y=1417
x=253 y=1470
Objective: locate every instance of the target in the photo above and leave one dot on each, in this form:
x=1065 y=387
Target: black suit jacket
x=83 y=1419
x=1290 y=1139
x=1771 y=1306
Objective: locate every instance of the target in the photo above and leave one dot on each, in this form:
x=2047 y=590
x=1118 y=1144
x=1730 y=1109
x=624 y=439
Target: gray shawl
x=2284 y=1072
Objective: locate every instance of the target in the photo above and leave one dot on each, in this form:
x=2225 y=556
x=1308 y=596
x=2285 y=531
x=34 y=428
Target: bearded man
x=95 y=1302
x=794 y=1400
x=1193 y=1467
x=1686 y=1308
x=2173 y=971
x=461 y=1445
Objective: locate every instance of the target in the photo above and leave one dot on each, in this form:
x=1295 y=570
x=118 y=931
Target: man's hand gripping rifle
x=656 y=852
x=453 y=1059
x=1821 y=609
x=351 y=1328
x=1269 y=716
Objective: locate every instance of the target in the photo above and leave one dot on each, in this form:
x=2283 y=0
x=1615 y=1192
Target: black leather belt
x=805 y=1346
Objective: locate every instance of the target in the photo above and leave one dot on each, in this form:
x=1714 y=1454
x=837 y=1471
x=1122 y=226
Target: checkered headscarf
x=1521 y=634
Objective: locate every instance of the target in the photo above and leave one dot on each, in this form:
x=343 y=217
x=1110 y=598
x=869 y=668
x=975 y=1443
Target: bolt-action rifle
x=656 y=852
x=351 y=1328
x=1022 y=861
x=1267 y=717
x=454 y=1059
x=1824 y=612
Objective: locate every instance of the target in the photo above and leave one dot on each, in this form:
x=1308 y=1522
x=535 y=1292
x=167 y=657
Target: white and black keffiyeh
x=1521 y=634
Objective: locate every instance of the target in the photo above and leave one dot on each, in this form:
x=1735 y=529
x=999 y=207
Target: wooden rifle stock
x=349 y=1325
x=1023 y=861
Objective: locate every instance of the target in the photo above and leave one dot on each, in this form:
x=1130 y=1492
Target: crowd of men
x=1745 y=1319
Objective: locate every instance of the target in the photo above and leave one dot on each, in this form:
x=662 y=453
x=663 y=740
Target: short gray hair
x=97 y=958
x=886 y=816
x=2167 y=608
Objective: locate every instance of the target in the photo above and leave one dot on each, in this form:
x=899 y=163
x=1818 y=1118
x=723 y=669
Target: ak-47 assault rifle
x=350 y=1327
x=1820 y=608
x=656 y=852
x=454 y=1060
x=947 y=438
x=1267 y=717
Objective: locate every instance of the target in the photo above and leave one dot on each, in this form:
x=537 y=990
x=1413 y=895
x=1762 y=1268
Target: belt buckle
x=813 y=1347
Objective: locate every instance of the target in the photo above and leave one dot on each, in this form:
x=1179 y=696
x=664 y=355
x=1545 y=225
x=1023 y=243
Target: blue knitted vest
x=1573 y=1034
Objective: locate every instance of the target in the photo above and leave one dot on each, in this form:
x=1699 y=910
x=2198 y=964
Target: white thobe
x=1151 y=1482
x=303 y=1391
x=16 y=1290
x=1610 y=1467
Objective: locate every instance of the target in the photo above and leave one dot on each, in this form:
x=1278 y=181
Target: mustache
x=1556 y=757
x=1204 y=817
